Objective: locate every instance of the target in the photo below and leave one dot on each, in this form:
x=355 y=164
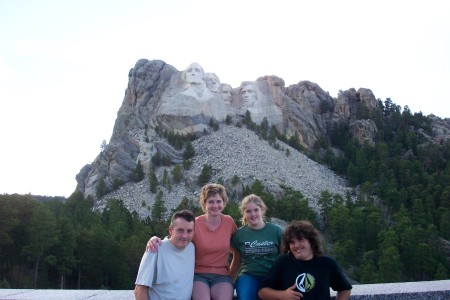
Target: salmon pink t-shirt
x=212 y=248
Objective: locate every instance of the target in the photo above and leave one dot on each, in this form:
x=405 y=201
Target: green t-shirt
x=259 y=248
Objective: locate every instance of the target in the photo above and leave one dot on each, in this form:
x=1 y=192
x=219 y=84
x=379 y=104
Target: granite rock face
x=159 y=98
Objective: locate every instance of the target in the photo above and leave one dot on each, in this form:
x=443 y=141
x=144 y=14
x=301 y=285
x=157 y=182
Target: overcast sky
x=64 y=64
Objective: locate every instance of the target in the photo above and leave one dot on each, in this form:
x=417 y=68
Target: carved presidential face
x=248 y=94
x=226 y=92
x=194 y=73
x=212 y=82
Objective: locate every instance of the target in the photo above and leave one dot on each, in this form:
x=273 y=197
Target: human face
x=254 y=215
x=194 y=73
x=226 y=93
x=213 y=83
x=248 y=93
x=214 y=205
x=301 y=249
x=181 y=233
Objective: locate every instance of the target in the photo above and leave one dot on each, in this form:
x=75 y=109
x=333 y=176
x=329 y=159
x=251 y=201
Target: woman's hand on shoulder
x=152 y=244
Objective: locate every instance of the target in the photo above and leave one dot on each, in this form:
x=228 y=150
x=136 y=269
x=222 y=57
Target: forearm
x=235 y=265
x=343 y=295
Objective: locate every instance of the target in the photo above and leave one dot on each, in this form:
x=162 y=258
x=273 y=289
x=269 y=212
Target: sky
x=64 y=64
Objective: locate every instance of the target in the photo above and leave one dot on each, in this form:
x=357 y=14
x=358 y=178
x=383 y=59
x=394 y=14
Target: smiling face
x=301 y=249
x=214 y=205
x=181 y=233
x=254 y=215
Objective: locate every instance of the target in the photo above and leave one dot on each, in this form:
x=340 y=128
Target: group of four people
x=265 y=263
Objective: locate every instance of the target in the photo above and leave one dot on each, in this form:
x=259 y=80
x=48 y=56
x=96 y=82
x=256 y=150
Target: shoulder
x=326 y=260
x=228 y=220
x=191 y=247
x=241 y=230
x=283 y=260
x=229 y=223
x=274 y=226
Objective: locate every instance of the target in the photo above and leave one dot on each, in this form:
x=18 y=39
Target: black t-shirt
x=313 y=278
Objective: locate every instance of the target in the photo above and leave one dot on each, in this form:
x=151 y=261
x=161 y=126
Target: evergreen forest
x=394 y=227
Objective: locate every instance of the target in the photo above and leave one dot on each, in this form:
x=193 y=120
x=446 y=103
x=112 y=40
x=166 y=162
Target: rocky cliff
x=160 y=98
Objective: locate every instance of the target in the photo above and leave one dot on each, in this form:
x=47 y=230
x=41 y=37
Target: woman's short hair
x=211 y=189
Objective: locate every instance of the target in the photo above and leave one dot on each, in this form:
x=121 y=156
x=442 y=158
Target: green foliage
x=161 y=160
x=287 y=152
x=177 y=174
x=205 y=175
x=394 y=229
x=153 y=181
x=189 y=151
x=117 y=183
x=235 y=180
x=100 y=188
x=158 y=208
x=187 y=163
x=190 y=205
x=164 y=180
x=138 y=172
x=214 y=125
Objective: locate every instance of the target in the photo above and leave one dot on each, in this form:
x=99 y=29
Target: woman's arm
x=235 y=264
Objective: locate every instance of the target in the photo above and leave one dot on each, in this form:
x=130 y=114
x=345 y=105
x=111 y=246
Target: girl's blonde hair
x=252 y=199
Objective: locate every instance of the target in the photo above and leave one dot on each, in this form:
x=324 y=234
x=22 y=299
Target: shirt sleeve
x=338 y=280
x=146 y=271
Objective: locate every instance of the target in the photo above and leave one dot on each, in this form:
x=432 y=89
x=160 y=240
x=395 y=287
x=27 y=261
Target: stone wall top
x=384 y=291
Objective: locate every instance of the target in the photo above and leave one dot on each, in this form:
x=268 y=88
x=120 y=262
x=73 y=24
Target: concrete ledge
x=65 y=294
x=438 y=290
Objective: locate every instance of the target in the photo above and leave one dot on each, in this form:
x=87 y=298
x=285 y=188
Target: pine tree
x=189 y=151
x=153 y=182
x=158 y=208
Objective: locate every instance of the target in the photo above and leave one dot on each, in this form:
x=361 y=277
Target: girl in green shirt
x=257 y=244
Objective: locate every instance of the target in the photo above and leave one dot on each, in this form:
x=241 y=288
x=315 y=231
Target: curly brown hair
x=302 y=230
x=211 y=189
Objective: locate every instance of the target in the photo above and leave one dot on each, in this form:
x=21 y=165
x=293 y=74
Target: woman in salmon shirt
x=213 y=231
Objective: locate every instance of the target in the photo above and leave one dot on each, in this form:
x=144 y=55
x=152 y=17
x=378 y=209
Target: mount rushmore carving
x=159 y=97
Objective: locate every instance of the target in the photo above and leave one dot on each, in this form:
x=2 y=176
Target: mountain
x=246 y=133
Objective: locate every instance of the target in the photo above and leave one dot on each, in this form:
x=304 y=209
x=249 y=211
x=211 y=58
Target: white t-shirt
x=174 y=272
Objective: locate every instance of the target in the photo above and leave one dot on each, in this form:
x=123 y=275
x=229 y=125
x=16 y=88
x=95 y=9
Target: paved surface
x=65 y=294
x=385 y=291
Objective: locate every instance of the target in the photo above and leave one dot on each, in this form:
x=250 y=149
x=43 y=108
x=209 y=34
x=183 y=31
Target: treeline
x=55 y=244
x=395 y=227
